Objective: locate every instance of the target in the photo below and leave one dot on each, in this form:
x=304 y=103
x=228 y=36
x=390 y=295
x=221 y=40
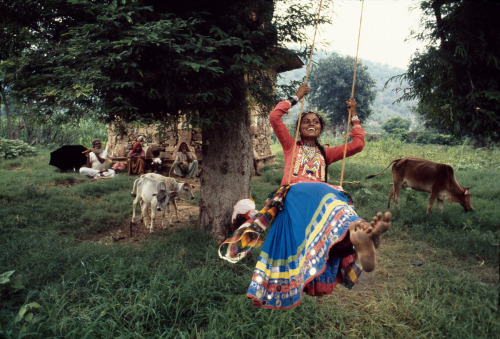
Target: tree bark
x=15 y=132
x=436 y=6
x=227 y=169
x=7 y=111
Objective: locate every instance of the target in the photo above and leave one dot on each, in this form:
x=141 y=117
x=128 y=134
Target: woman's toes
x=387 y=216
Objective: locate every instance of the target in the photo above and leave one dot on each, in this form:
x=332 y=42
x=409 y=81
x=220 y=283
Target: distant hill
x=383 y=105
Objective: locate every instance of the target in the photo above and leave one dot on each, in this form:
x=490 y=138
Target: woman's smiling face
x=310 y=126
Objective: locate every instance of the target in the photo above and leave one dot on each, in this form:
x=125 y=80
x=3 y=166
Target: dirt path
x=138 y=232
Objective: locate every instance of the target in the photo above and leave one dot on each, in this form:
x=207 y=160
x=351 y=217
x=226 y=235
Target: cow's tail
x=374 y=175
x=134 y=187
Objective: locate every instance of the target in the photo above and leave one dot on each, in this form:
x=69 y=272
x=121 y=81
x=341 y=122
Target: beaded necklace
x=309 y=151
x=310 y=159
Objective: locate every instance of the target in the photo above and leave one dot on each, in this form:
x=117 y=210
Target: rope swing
x=292 y=163
x=352 y=95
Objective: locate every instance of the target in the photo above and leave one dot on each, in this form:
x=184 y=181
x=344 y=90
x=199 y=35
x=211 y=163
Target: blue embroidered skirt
x=307 y=248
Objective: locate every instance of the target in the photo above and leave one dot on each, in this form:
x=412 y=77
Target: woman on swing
x=316 y=238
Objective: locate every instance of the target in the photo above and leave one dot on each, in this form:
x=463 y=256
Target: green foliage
x=396 y=124
x=331 y=84
x=456 y=77
x=399 y=134
x=9 y=283
x=54 y=134
x=433 y=137
x=10 y=149
x=26 y=313
x=146 y=60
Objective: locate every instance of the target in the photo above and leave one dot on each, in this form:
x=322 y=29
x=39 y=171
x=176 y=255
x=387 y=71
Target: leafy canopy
x=331 y=86
x=456 y=78
x=145 y=59
x=396 y=123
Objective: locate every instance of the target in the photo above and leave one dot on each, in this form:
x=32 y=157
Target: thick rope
x=352 y=95
x=292 y=163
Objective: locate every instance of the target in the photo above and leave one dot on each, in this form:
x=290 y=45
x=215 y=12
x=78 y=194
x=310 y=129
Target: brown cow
x=427 y=176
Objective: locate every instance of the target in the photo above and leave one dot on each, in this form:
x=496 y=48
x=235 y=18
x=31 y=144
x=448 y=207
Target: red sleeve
x=279 y=128
x=355 y=146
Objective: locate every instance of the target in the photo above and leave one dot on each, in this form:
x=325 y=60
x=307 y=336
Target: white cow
x=183 y=190
x=150 y=192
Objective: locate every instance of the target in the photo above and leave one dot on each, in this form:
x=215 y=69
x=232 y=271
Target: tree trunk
x=436 y=6
x=227 y=169
x=7 y=111
x=15 y=132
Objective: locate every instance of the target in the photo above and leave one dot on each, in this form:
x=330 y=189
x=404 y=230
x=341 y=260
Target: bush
x=401 y=134
x=390 y=142
x=396 y=125
x=10 y=149
x=431 y=137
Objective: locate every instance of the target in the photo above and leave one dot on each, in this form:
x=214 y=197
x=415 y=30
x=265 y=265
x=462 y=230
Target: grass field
x=173 y=285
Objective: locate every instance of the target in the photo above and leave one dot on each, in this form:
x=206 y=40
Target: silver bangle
x=354 y=118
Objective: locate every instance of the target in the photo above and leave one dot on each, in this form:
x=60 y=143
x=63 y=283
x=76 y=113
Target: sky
x=385 y=26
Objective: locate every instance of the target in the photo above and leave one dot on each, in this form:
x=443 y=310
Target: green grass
x=173 y=285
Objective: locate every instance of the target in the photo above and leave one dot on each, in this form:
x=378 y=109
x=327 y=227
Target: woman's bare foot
x=366 y=238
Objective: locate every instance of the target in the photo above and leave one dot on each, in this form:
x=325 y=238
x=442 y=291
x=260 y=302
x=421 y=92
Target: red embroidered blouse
x=310 y=165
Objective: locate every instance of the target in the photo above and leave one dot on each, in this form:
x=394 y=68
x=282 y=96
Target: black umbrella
x=68 y=157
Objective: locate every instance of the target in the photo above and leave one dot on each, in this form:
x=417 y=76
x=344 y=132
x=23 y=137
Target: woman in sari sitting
x=136 y=159
x=316 y=240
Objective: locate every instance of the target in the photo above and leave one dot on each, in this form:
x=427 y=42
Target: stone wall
x=167 y=140
x=152 y=137
x=261 y=137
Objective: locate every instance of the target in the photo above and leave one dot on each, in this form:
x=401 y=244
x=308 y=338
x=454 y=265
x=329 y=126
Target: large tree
x=147 y=60
x=331 y=86
x=456 y=78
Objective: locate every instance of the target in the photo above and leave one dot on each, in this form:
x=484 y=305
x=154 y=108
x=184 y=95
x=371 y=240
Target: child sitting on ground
x=156 y=162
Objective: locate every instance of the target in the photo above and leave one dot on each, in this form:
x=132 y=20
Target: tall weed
x=53 y=135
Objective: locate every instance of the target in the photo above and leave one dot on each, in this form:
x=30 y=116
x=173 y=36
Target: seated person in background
x=156 y=162
x=255 y=164
x=136 y=159
x=96 y=162
x=185 y=164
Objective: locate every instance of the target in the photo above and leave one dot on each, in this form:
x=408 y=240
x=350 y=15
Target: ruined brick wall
x=261 y=136
x=167 y=141
x=152 y=137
